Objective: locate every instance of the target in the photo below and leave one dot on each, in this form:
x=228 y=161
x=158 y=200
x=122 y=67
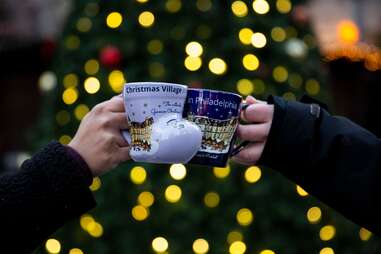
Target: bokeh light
x=173 y=6
x=75 y=251
x=301 y=191
x=146 y=19
x=95 y=230
x=204 y=5
x=234 y=236
x=200 y=246
x=211 y=199
x=267 y=252
x=253 y=174
x=146 y=199
x=114 y=20
x=47 y=81
x=91 y=66
x=65 y=139
x=312 y=87
x=84 y=24
x=295 y=80
x=278 y=34
x=280 y=74
x=160 y=244
x=53 y=246
x=244 y=217
x=194 y=49
x=177 y=171
x=250 y=62
x=96 y=184
x=239 y=8
x=244 y=35
x=116 y=80
x=80 y=111
x=245 y=86
x=139 y=213
x=72 y=42
x=284 y=6
x=314 y=215
x=155 y=47
x=348 y=32
x=237 y=247
x=138 y=175
x=92 y=85
x=70 y=80
x=327 y=232
x=173 y=193
x=365 y=234
x=258 y=40
x=192 y=63
x=70 y=95
x=217 y=66
x=261 y=6
x=220 y=172
x=327 y=250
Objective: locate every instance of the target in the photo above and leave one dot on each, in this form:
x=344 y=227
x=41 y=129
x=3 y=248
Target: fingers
x=119 y=120
x=258 y=113
x=250 y=99
x=250 y=155
x=254 y=132
x=123 y=154
x=120 y=141
x=115 y=104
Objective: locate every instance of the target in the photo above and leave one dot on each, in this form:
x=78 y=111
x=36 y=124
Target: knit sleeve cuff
x=83 y=169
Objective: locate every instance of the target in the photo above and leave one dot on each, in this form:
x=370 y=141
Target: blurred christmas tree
x=257 y=48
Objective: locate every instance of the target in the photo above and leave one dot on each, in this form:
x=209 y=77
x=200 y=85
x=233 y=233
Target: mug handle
x=241 y=146
x=126 y=135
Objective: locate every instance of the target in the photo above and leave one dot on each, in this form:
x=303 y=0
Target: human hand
x=259 y=116
x=98 y=139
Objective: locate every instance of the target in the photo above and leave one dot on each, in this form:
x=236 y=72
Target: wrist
x=83 y=168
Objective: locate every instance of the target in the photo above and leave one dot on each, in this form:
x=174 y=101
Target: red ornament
x=110 y=56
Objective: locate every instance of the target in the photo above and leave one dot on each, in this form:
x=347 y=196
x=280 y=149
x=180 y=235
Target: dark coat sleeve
x=50 y=189
x=332 y=158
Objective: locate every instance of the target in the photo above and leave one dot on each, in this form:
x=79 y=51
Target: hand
x=259 y=115
x=98 y=139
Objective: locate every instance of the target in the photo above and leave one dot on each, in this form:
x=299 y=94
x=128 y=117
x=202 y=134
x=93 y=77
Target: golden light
x=348 y=32
x=173 y=193
x=142 y=1
x=173 y=5
x=234 y=236
x=96 y=230
x=155 y=47
x=283 y=6
x=244 y=217
x=327 y=232
x=139 y=213
x=365 y=234
x=314 y=215
x=63 y=117
x=239 y=8
x=192 y=63
x=70 y=80
x=278 y=34
x=114 y=19
x=237 y=247
x=211 y=199
x=177 y=171
x=84 y=24
x=221 y=172
x=146 y=199
x=96 y=184
x=80 y=111
x=245 y=86
x=138 y=175
x=76 y=251
x=159 y=244
x=253 y=174
x=156 y=69
x=267 y=252
x=259 y=86
x=72 y=42
x=116 y=81
x=261 y=6
x=258 y=40
x=250 y=62
x=47 y=81
x=85 y=221
x=217 y=66
x=146 y=19
x=301 y=191
x=70 y=95
x=244 y=35
x=326 y=250
x=204 y=5
x=289 y=96
x=312 y=87
x=280 y=74
x=200 y=246
x=64 y=139
x=91 y=66
x=194 y=49
x=53 y=246
x=295 y=80
x=92 y=85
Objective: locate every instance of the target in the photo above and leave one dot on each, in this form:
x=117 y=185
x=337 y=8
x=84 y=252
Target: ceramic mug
x=217 y=115
x=157 y=132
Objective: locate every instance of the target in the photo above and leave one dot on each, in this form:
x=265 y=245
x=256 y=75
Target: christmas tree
x=250 y=47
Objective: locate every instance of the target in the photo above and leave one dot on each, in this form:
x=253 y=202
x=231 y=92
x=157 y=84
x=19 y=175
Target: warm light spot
x=142 y=1
x=314 y=215
x=239 y=8
x=63 y=117
x=84 y=24
x=204 y=5
x=295 y=80
x=53 y=246
x=261 y=6
x=159 y=244
x=327 y=232
x=200 y=246
x=80 y=111
x=65 y=139
x=173 y=6
x=326 y=250
x=244 y=217
x=211 y=199
x=301 y=191
x=146 y=19
x=85 y=221
x=280 y=74
x=259 y=86
x=47 y=81
x=114 y=19
x=92 y=85
x=250 y=62
x=278 y=34
x=96 y=230
x=253 y=174
x=70 y=95
x=221 y=172
x=283 y=6
x=244 y=35
x=76 y=251
x=173 y=193
x=365 y=234
x=237 y=247
x=96 y=184
x=258 y=40
x=146 y=198
x=289 y=96
x=70 y=80
x=194 y=49
x=116 y=81
x=267 y=252
x=348 y=32
x=177 y=171
x=234 y=236
x=245 y=86
x=72 y=42
x=192 y=63
x=312 y=87
x=155 y=47
x=139 y=213
x=217 y=66
x=156 y=69
x=91 y=67
x=138 y=175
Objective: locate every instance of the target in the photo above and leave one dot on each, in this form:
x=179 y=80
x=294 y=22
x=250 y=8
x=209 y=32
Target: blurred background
x=59 y=58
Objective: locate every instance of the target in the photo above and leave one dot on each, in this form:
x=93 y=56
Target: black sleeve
x=332 y=158
x=50 y=189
